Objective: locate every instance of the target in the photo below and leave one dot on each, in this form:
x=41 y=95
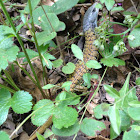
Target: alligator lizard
x=90 y=51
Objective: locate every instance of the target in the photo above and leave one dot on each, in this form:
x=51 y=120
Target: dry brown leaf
x=28 y=32
x=128 y=4
x=48 y=2
x=76 y=17
x=96 y=98
x=24 y=136
x=106 y=132
x=90 y=107
x=109 y=98
x=9 y=124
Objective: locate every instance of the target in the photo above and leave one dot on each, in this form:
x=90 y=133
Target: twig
x=134 y=6
x=136 y=60
x=41 y=129
x=83 y=4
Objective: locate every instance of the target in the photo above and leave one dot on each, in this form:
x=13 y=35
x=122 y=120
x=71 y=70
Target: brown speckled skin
x=90 y=53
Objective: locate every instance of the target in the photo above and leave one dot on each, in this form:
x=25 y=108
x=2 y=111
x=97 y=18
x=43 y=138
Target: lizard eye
x=93 y=10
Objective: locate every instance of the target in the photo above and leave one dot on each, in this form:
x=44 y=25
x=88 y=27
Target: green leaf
x=19 y=27
x=38 y=13
x=66 y=85
x=43 y=37
x=77 y=51
x=48 y=86
x=93 y=64
x=109 y=4
x=108 y=48
x=64 y=117
x=134 y=113
x=42 y=111
x=66 y=131
x=137 y=128
x=5 y=104
x=131 y=96
x=6 y=55
x=113 y=135
x=69 y=68
x=138 y=81
x=115 y=119
x=129 y=13
x=44 y=47
x=102 y=1
x=67 y=4
x=55 y=22
x=57 y=63
x=91 y=126
x=94 y=76
x=6 y=30
x=124 y=90
x=47 y=133
x=101 y=110
x=22 y=16
x=34 y=3
x=125 y=120
x=111 y=91
x=21 y=102
x=112 y=61
x=30 y=53
x=5 y=41
x=99 y=6
x=62 y=96
x=70 y=99
x=86 y=78
x=4 y=135
x=41 y=19
x=56 y=8
x=117 y=9
x=136 y=42
x=132 y=134
x=134 y=103
x=46 y=60
x=39 y=136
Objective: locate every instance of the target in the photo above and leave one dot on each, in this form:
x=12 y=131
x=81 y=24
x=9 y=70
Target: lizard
x=90 y=51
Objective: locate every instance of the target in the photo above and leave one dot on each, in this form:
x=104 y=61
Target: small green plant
x=123 y=113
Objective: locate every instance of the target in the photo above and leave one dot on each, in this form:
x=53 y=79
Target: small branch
x=41 y=129
x=134 y=6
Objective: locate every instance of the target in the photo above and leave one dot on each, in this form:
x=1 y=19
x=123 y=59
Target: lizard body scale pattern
x=90 y=51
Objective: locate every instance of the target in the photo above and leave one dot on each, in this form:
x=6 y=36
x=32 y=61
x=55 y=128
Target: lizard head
x=90 y=18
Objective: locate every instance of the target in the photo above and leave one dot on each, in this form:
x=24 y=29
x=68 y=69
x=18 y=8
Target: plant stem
x=6 y=80
x=134 y=22
x=9 y=89
x=94 y=93
x=2 y=19
x=91 y=98
x=34 y=36
x=27 y=74
x=118 y=23
x=28 y=118
x=11 y=80
x=22 y=46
